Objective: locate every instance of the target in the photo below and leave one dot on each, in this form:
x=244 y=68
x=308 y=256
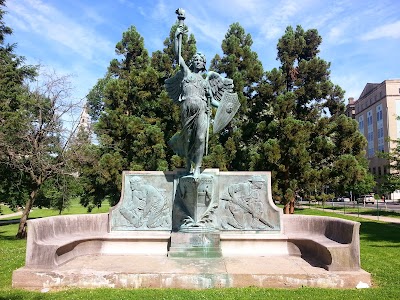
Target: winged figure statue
x=195 y=95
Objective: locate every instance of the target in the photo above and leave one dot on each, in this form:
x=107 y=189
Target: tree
x=33 y=139
x=134 y=116
x=349 y=165
x=242 y=65
x=390 y=180
x=301 y=134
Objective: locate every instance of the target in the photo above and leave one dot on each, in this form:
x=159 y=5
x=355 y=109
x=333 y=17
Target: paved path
x=375 y=218
x=11 y=215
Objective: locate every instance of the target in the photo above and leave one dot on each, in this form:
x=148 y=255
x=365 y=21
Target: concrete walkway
x=11 y=215
x=362 y=216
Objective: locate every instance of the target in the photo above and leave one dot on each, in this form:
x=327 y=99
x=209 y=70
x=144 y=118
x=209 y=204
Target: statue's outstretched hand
x=180 y=30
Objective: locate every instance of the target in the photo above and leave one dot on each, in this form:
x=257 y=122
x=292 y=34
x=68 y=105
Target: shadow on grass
x=382 y=213
x=5 y=236
x=375 y=231
x=369 y=229
x=8 y=222
x=15 y=221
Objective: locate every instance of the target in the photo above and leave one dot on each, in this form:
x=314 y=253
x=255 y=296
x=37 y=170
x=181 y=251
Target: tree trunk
x=291 y=206
x=286 y=208
x=21 y=234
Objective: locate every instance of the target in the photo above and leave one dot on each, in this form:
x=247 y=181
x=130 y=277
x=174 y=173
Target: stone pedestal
x=195 y=245
x=197 y=199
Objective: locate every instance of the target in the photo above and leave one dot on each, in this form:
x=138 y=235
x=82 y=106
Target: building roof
x=369 y=87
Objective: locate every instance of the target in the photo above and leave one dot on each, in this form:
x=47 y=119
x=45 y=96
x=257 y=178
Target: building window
x=370 y=135
x=361 y=124
x=397 y=119
x=379 y=126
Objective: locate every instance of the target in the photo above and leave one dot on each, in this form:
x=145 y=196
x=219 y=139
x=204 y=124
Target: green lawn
x=5 y=210
x=380 y=245
x=361 y=210
x=74 y=208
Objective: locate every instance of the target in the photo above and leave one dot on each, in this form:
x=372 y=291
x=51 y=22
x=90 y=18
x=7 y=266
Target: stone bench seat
x=327 y=242
x=54 y=241
x=330 y=243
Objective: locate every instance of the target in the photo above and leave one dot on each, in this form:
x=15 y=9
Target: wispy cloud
x=160 y=11
x=274 y=24
x=391 y=30
x=39 y=18
x=212 y=32
x=78 y=37
x=339 y=33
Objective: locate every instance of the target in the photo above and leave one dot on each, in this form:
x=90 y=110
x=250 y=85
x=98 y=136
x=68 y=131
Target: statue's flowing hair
x=202 y=57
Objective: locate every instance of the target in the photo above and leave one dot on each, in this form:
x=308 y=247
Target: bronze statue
x=196 y=95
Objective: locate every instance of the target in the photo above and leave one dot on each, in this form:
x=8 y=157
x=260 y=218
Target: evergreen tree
x=301 y=134
x=133 y=114
x=242 y=65
x=390 y=180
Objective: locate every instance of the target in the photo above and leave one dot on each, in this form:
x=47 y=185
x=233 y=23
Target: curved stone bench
x=54 y=241
x=331 y=243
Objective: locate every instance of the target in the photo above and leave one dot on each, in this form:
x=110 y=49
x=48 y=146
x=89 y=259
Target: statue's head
x=198 y=61
x=257 y=181
x=135 y=182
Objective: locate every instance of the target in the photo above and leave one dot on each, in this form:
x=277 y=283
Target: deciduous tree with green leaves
x=32 y=138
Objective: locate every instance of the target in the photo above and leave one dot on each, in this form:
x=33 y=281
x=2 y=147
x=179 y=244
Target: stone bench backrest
x=338 y=230
x=52 y=227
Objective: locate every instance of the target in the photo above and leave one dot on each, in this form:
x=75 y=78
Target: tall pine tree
x=301 y=134
x=134 y=117
x=241 y=64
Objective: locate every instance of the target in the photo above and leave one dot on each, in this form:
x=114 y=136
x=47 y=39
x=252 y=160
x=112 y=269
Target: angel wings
x=217 y=84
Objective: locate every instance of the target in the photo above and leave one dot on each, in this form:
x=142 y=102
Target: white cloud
x=339 y=33
x=49 y=23
x=204 y=30
x=274 y=23
x=391 y=30
x=160 y=11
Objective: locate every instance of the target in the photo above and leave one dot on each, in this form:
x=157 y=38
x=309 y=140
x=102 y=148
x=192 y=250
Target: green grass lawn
x=361 y=210
x=74 y=208
x=5 y=210
x=380 y=246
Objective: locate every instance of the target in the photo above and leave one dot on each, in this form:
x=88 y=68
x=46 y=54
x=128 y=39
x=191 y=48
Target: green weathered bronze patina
x=196 y=96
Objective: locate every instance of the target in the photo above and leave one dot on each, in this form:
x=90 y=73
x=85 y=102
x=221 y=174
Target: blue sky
x=361 y=38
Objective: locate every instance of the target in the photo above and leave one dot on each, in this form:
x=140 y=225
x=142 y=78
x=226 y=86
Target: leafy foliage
x=291 y=119
x=302 y=135
x=32 y=138
x=134 y=115
x=242 y=65
x=390 y=180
